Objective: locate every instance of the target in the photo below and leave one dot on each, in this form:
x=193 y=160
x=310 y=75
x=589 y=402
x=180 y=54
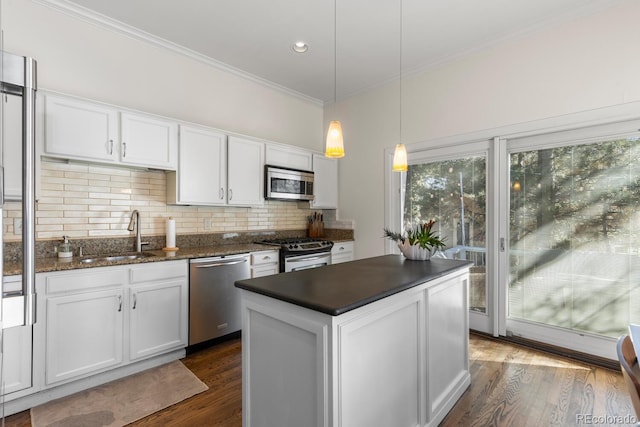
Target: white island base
x=397 y=362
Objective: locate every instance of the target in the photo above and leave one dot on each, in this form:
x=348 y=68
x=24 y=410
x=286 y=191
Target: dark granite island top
x=339 y=288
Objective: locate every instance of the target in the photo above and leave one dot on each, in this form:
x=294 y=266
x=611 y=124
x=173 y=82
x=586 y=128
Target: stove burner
x=301 y=244
x=292 y=240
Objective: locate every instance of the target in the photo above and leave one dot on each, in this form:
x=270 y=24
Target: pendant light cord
x=335 y=54
x=400 y=84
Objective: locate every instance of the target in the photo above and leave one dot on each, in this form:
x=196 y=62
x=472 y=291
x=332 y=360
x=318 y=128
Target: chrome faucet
x=135 y=217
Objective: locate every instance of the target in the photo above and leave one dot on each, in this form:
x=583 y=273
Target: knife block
x=315 y=229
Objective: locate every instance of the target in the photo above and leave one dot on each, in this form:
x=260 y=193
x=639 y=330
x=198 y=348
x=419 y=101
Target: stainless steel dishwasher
x=214 y=301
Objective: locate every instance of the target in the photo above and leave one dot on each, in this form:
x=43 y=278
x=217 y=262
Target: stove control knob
x=290 y=246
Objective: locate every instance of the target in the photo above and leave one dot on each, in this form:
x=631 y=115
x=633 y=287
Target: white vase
x=414 y=252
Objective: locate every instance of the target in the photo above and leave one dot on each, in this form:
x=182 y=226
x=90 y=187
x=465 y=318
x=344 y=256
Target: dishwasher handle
x=220 y=263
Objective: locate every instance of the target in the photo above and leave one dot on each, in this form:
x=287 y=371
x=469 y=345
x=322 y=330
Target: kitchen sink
x=116 y=258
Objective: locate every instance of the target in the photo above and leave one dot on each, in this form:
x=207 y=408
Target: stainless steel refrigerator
x=17 y=127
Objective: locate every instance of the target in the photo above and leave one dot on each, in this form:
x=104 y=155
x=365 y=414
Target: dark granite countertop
x=336 y=289
x=54 y=264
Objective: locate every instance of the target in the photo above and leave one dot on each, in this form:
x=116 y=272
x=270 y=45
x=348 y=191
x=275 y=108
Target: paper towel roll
x=171 y=233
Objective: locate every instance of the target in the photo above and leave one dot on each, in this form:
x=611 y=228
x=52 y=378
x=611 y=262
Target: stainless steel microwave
x=288 y=184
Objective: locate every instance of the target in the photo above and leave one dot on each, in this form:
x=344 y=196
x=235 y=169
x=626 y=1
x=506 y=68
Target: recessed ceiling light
x=300 y=47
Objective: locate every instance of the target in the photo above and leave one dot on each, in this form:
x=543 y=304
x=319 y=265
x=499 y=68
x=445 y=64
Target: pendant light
x=335 y=146
x=400 y=153
x=400 y=158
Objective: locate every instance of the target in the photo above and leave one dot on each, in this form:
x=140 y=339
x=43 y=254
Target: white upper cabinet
x=288 y=156
x=325 y=182
x=80 y=130
x=245 y=172
x=201 y=178
x=148 y=141
x=214 y=170
x=85 y=130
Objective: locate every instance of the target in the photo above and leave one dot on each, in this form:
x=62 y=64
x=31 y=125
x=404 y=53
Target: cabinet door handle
x=124 y=150
x=111 y=147
x=230 y=194
x=119 y=302
x=135 y=301
x=221 y=193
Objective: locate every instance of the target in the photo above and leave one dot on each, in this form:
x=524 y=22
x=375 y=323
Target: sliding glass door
x=452 y=190
x=574 y=239
x=551 y=221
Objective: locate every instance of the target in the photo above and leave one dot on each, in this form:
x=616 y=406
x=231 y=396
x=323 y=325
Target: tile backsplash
x=91 y=201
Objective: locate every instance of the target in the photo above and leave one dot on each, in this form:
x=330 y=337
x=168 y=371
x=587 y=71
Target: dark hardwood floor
x=510 y=386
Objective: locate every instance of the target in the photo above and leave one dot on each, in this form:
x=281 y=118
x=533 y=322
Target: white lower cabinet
x=106 y=317
x=84 y=334
x=265 y=263
x=402 y=360
x=341 y=252
x=158 y=313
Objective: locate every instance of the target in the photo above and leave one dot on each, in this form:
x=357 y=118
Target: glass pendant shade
x=400 y=159
x=335 y=145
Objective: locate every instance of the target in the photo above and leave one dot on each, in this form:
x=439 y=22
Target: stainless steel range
x=302 y=253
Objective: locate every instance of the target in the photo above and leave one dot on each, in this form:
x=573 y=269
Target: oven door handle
x=309 y=267
x=309 y=259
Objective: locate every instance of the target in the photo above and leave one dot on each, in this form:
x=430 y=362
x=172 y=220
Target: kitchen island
x=376 y=342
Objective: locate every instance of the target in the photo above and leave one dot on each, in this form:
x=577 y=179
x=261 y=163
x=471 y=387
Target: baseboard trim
x=555 y=350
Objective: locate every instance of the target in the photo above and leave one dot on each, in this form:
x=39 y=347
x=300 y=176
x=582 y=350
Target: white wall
x=84 y=59
x=588 y=63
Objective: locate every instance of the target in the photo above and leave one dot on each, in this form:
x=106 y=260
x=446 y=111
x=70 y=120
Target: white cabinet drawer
x=264 y=270
x=264 y=257
x=81 y=280
x=158 y=271
x=342 y=252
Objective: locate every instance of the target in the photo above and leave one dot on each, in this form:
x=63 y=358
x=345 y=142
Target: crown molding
x=92 y=17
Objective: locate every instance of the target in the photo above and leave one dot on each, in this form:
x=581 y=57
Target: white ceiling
x=255 y=37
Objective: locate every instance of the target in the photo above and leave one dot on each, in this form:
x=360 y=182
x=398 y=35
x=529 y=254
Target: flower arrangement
x=419 y=242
